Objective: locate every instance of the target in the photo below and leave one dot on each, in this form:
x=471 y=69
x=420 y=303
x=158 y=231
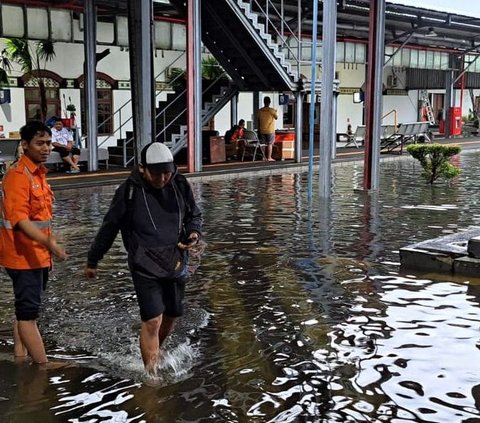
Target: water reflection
x=289 y=319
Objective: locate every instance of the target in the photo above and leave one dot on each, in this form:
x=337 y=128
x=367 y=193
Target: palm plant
x=32 y=56
x=211 y=69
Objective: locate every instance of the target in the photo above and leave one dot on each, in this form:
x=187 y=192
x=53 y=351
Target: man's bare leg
x=19 y=349
x=32 y=340
x=166 y=328
x=269 y=153
x=149 y=343
x=75 y=160
x=69 y=161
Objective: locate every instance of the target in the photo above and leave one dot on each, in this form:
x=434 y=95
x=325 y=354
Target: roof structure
x=403 y=24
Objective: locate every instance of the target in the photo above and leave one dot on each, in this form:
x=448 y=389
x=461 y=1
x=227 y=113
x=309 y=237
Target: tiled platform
x=235 y=169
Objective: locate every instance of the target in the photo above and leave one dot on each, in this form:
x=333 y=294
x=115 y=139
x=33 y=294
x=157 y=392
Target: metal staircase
x=236 y=35
x=172 y=120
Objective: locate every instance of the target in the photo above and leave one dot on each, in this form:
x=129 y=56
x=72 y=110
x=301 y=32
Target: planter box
x=283 y=149
x=68 y=122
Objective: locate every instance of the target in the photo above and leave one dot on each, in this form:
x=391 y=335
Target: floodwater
x=292 y=315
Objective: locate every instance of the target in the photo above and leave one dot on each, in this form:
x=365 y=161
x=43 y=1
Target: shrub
x=435 y=160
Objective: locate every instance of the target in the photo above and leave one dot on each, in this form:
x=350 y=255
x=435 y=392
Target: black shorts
x=64 y=152
x=268 y=138
x=28 y=286
x=159 y=296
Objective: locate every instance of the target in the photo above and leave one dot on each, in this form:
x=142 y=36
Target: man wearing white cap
x=156 y=213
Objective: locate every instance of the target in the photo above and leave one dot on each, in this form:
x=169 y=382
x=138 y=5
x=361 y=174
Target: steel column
x=194 y=86
x=140 y=30
x=313 y=80
x=373 y=108
x=234 y=110
x=256 y=106
x=90 y=82
x=449 y=97
x=329 y=37
x=298 y=126
x=449 y=92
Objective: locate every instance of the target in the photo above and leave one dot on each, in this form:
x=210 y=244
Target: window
x=32 y=98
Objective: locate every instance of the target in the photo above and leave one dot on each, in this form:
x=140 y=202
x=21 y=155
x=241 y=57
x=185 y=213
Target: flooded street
x=292 y=315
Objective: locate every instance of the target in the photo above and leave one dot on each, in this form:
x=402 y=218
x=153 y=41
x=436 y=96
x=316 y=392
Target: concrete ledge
x=466 y=266
x=446 y=254
x=413 y=258
x=473 y=247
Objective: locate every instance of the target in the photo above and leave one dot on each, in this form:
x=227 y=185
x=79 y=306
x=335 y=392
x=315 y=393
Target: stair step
x=118 y=151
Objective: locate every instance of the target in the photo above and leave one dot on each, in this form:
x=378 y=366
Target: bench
x=357 y=137
x=406 y=133
x=8 y=153
x=55 y=159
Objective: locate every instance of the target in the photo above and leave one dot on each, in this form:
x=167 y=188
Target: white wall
x=12 y=116
x=69 y=59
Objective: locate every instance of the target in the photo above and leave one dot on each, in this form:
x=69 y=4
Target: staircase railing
x=129 y=141
x=284 y=28
x=119 y=110
x=166 y=126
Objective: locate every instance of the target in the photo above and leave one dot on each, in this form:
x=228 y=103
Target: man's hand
x=90 y=272
x=57 y=250
x=190 y=243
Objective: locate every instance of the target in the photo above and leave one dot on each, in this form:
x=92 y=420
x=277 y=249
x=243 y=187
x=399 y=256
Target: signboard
x=5 y=97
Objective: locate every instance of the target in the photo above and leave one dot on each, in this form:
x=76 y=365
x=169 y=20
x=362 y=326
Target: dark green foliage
x=435 y=160
x=32 y=56
x=211 y=69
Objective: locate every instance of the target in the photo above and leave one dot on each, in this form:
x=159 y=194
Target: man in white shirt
x=62 y=142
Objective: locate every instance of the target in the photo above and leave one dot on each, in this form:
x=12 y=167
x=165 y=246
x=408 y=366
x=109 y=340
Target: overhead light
x=431 y=33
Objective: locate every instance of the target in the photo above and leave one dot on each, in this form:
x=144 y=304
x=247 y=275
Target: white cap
x=158 y=156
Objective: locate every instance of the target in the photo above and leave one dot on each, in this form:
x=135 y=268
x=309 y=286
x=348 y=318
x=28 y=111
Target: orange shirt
x=237 y=134
x=26 y=195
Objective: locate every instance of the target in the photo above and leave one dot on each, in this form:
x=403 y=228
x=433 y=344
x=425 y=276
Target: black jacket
x=147 y=217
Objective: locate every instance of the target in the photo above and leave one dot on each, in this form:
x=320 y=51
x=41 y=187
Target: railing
x=119 y=110
x=173 y=121
x=394 y=111
x=285 y=28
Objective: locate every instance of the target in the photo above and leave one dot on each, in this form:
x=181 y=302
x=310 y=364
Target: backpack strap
x=129 y=191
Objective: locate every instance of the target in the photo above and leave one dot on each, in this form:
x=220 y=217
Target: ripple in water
x=290 y=317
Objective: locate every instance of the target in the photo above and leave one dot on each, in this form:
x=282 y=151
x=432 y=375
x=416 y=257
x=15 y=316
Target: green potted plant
x=435 y=160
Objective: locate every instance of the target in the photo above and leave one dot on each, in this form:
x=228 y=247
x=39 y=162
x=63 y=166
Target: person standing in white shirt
x=62 y=141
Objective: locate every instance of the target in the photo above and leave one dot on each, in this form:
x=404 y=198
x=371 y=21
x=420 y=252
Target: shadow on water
x=289 y=318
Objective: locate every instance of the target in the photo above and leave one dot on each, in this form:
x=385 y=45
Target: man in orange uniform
x=26 y=239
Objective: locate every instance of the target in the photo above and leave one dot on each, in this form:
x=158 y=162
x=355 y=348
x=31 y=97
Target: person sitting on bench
x=62 y=141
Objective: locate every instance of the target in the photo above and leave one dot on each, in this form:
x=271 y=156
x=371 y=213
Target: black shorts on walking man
x=156 y=213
